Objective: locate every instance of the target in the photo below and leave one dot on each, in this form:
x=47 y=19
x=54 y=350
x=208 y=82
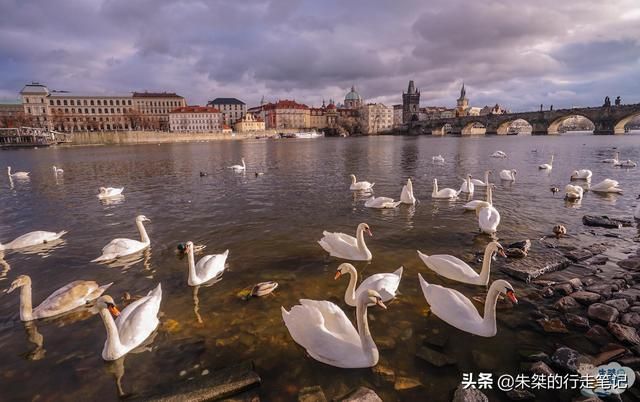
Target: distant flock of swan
x=321 y=327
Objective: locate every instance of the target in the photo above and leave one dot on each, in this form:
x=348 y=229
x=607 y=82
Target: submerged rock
x=541 y=368
x=362 y=394
x=311 y=394
x=434 y=357
x=598 y=334
x=553 y=326
x=601 y=221
x=566 y=303
x=383 y=374
x=469 y=395
x=577 y=321
x=624 y=333
x=520 y=395
x=404 y=383
x=568 y=359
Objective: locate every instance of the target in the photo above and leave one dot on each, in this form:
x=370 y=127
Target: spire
x=463 y=92
x=412 y=87
x=323 y=104
x=262 y=101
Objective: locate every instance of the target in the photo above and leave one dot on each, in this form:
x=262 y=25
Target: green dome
x=352 y=95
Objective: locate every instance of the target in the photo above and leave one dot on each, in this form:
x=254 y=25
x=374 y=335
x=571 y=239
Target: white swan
x=474 y=204
x=124 y=247
x=445 y=193
x=488 y=216
x=32 y=239
x=132 y=326
x=324 y=330
x=385 y=284
x=360 y=185
x=406 y=196
x=508 y=175
x=480 y=183
x=381 y=202
x=17 y=175
x=467 y=186
x=582 y=174
x=347 y=247
x=437 y=159
x=606 y=186
x=458 y=311
x=454 y=268
x=499 y=154
x=108 y=192
x=616 y=155
x=637 y=213
x=239 y=168
x=573 y=193
x=57 y=170
x=63 y=300
x=207 y=268
x=547 y=166
x=628 y=164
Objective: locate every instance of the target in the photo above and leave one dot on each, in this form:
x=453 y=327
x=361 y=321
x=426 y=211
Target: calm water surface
x=271 y=224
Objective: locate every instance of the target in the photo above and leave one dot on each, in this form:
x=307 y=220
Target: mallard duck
x=559 y=230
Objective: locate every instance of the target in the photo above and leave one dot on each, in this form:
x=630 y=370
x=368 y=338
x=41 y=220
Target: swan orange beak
x=512 y=296
x=113 y=310
x=338 y=275
x=381 y=304
x=502 y=253
x=369 y=232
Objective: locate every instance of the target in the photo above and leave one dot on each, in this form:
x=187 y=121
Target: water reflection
x=35 y=338
x=115 y=200
x=5 y=267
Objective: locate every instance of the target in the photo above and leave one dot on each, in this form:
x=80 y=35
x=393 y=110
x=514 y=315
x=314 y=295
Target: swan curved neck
x=489 y=195
x=26 y=309
x=192 y=265
x=435 y=187
x=486 y=265
x=490 y=302
x=350 y=293
x=486 y=177
x=368 y=345
x=353 y=179
x=112 y=344
x=143 y=232
x=360 y=240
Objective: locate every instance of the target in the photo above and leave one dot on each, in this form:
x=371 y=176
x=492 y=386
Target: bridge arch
x=442 y=130
x=620 y=125
x=474 y=127
x=517 y=125
x=554 y=127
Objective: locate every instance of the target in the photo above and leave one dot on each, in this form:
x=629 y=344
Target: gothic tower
x=462 y=104
x=410 y=104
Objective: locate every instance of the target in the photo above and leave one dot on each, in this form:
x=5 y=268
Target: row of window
x=229 y=107
x=90 y=102
x=93 y=110
x=159 y=103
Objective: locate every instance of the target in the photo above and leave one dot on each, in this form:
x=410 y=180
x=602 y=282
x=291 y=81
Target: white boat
x=308 y=134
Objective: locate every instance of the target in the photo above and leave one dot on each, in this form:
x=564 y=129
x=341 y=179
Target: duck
x=208 y=267
x=347 y=247
x=573 y=193
x=17 y=175
x=457 y=310
x=63 y=300
x=109 y=192
x=547 y=166
x=263 y=288
x=467 y=186
x=239 y=168
x=606 y=186
x=559 y=231
x=445 y=193
x=381 y=203
x=360 y=185
x=519 y=249
x=132 y=326
x=324 y=330
x=616 y=155
x=386 y=284
x=474 y=204
x=582 y=174
x=488 y=217
x=203 y=174
x=499 y=154
x=57 y=170
x=406 y=196
x=455 y=269
x=480 y=183
x=437 y=159
x=554 y=190
x=627 y=164
x=118 y=248
x=31 y=239
x=508 y=175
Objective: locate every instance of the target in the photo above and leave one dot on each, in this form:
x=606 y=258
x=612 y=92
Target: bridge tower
x=410 y=104
x=462 y=104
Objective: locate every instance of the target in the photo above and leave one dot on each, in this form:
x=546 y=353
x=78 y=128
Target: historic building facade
x=286 y=114
x=195 y=119
x=376 y=118
x=232 y=109
x=353 y=100
x=462 y=103
x=154 y=108
x=249 y=123
x=410 y=104
x=11 y=113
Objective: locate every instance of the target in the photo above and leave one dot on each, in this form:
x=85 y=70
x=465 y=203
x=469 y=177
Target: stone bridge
x=606 y=119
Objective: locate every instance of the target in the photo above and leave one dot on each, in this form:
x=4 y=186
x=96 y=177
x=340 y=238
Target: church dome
x=352 y=95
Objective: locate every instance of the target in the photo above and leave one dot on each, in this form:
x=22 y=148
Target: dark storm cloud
x=563 y=53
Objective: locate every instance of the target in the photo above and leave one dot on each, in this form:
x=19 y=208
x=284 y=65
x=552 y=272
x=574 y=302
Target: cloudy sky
x=519 y=54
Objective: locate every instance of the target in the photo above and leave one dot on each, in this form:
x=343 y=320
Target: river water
x=271 y=224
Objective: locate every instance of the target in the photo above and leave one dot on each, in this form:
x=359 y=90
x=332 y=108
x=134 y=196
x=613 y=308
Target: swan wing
x=489 y=219
x=120 y=247
x=67 y=298
x=386 y=284
x=477 y=182
x=451 y=306
x=33 y=238
x=211 y=266
x=406 y=196
x=472 y=205
x=378 y=202
x=449 y=266
x=138 y=320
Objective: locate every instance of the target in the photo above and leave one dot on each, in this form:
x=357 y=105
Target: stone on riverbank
x=632 y=264
x=598 y=334
x=217 y=385
x=541 y=368
x=602 y=313
x=520 y=395
x=622 y=305
x=601 y=221
x=568 y=359
x=469 y=395
x=553 y=326
x=311 y=394
x=624 y=333
x=434 y=357
x=577 y=321
x=541 y=259
x=404 y=383
x=631 y=319
x=566 y=303
x=586 y=298
x=362 y=394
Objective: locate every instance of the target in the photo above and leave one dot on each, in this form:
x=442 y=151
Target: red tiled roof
x=156 y=95
x=331 y=106
x=195 y=109
x=285 y=104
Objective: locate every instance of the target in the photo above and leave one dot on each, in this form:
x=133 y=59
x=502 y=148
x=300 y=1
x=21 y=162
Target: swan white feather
x=118 y=248
x=386 y=284
x=347 y=247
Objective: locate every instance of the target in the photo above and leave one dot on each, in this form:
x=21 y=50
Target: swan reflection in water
x=196 y=299
x=127 y=262
x=116 y=367
x=5 y=267
x=115 y=200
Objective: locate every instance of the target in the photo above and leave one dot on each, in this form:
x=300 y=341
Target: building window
x=111 y=102
x=129 y=103
x=117 y=102
x=98 y=102
x=112 y=108
x=99 y=110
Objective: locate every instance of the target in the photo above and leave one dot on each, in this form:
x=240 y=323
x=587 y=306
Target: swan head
x=188 y=247
x=344 y=268
x=103 y=190
x=574 y=175
x=142 y=218
x=353 y=178
x=106 y=302
x=22 y=280
x=503 y=287
x=371 y=298
x=514 y=172
x=365 y=228
x=496 y=247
